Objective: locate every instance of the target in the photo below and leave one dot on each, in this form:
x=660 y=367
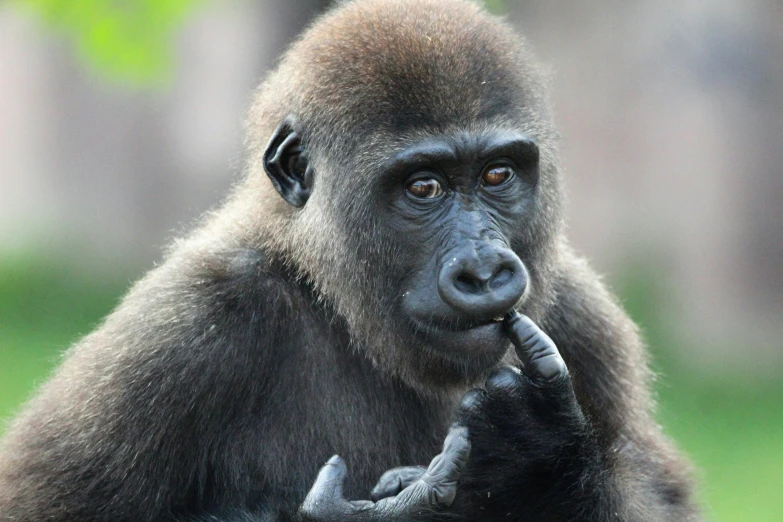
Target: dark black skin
x=287 y=167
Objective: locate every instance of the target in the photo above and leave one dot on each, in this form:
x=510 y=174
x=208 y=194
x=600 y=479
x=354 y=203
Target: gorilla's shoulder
x=204 y=281
x=219 y=266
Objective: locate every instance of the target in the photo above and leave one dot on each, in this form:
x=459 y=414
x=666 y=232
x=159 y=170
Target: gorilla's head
x=419 y=180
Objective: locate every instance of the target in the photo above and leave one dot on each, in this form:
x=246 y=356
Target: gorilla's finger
x=505 y=381
x=456 y=450
x=437 y=487
x=395 y=480
x=541 y=361
x=326 y=495
x=446 y=468
x=473 y=401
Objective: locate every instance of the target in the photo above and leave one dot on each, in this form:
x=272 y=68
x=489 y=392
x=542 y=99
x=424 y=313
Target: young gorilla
x=413 y=149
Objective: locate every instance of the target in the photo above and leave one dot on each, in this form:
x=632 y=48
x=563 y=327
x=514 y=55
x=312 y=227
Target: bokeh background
x=121 y=122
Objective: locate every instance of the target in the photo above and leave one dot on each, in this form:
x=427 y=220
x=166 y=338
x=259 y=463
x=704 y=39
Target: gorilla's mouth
x=455 y=324
x=462 y=337
x=465 y=325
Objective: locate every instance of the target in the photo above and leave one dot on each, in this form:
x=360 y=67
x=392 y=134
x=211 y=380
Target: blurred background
x=121 y=122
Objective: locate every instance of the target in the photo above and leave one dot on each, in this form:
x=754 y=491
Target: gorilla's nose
x=483 y=283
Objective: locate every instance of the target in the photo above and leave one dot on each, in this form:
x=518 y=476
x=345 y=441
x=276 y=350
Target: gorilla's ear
x=286 y=165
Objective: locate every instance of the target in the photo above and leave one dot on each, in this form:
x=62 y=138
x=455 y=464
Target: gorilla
x=372 y=295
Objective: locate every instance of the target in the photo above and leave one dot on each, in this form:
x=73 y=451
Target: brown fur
x=263 y=344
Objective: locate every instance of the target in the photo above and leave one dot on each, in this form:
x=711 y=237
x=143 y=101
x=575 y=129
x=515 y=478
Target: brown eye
x=497 y=175
x=425 y=188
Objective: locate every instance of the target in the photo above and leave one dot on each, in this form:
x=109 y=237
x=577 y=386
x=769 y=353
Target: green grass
x=731 y=429
x=43 y=309
x=734 y=433
x=729 y=424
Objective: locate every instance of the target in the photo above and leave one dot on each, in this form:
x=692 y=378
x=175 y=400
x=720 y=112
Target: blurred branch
x=126 y=40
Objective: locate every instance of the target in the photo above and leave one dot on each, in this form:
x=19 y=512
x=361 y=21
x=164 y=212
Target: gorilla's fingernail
x=512 y=316
x=503 y=378
x=334 y=461
x=458 y=430
x=471 y=400
x=509 y=321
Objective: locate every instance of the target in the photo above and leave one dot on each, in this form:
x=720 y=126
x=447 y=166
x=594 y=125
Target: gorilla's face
x=425 y=212
x=423 y=247
x=456 y=203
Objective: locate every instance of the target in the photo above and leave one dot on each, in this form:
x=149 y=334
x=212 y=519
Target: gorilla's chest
x=335 y=404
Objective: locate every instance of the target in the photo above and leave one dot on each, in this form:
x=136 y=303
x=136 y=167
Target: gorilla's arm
x=578 y=445
x=129 y=426
x=157 y=415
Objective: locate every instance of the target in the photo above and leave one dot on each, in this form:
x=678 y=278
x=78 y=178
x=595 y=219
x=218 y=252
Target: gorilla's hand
x=429 y=492
x=529 y=436
x=395 y=480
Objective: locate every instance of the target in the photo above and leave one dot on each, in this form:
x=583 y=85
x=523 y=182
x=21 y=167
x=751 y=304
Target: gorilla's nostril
x=467 y=284
x=500 y=278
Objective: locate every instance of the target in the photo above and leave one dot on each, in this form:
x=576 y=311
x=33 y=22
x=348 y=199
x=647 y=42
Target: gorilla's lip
x=467 y=340
x=439 y=326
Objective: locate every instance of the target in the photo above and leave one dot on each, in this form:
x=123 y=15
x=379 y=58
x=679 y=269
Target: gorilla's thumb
x=328 y=486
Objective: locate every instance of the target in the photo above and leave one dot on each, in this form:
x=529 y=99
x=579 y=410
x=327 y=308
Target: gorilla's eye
x=497 y=175
x=425 y=188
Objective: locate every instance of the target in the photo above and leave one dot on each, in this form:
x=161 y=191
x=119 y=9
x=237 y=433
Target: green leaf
x=125 y=40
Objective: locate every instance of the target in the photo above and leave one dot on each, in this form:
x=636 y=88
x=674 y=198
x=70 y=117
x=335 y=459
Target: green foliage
x=127 y=40
x=497 y=6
